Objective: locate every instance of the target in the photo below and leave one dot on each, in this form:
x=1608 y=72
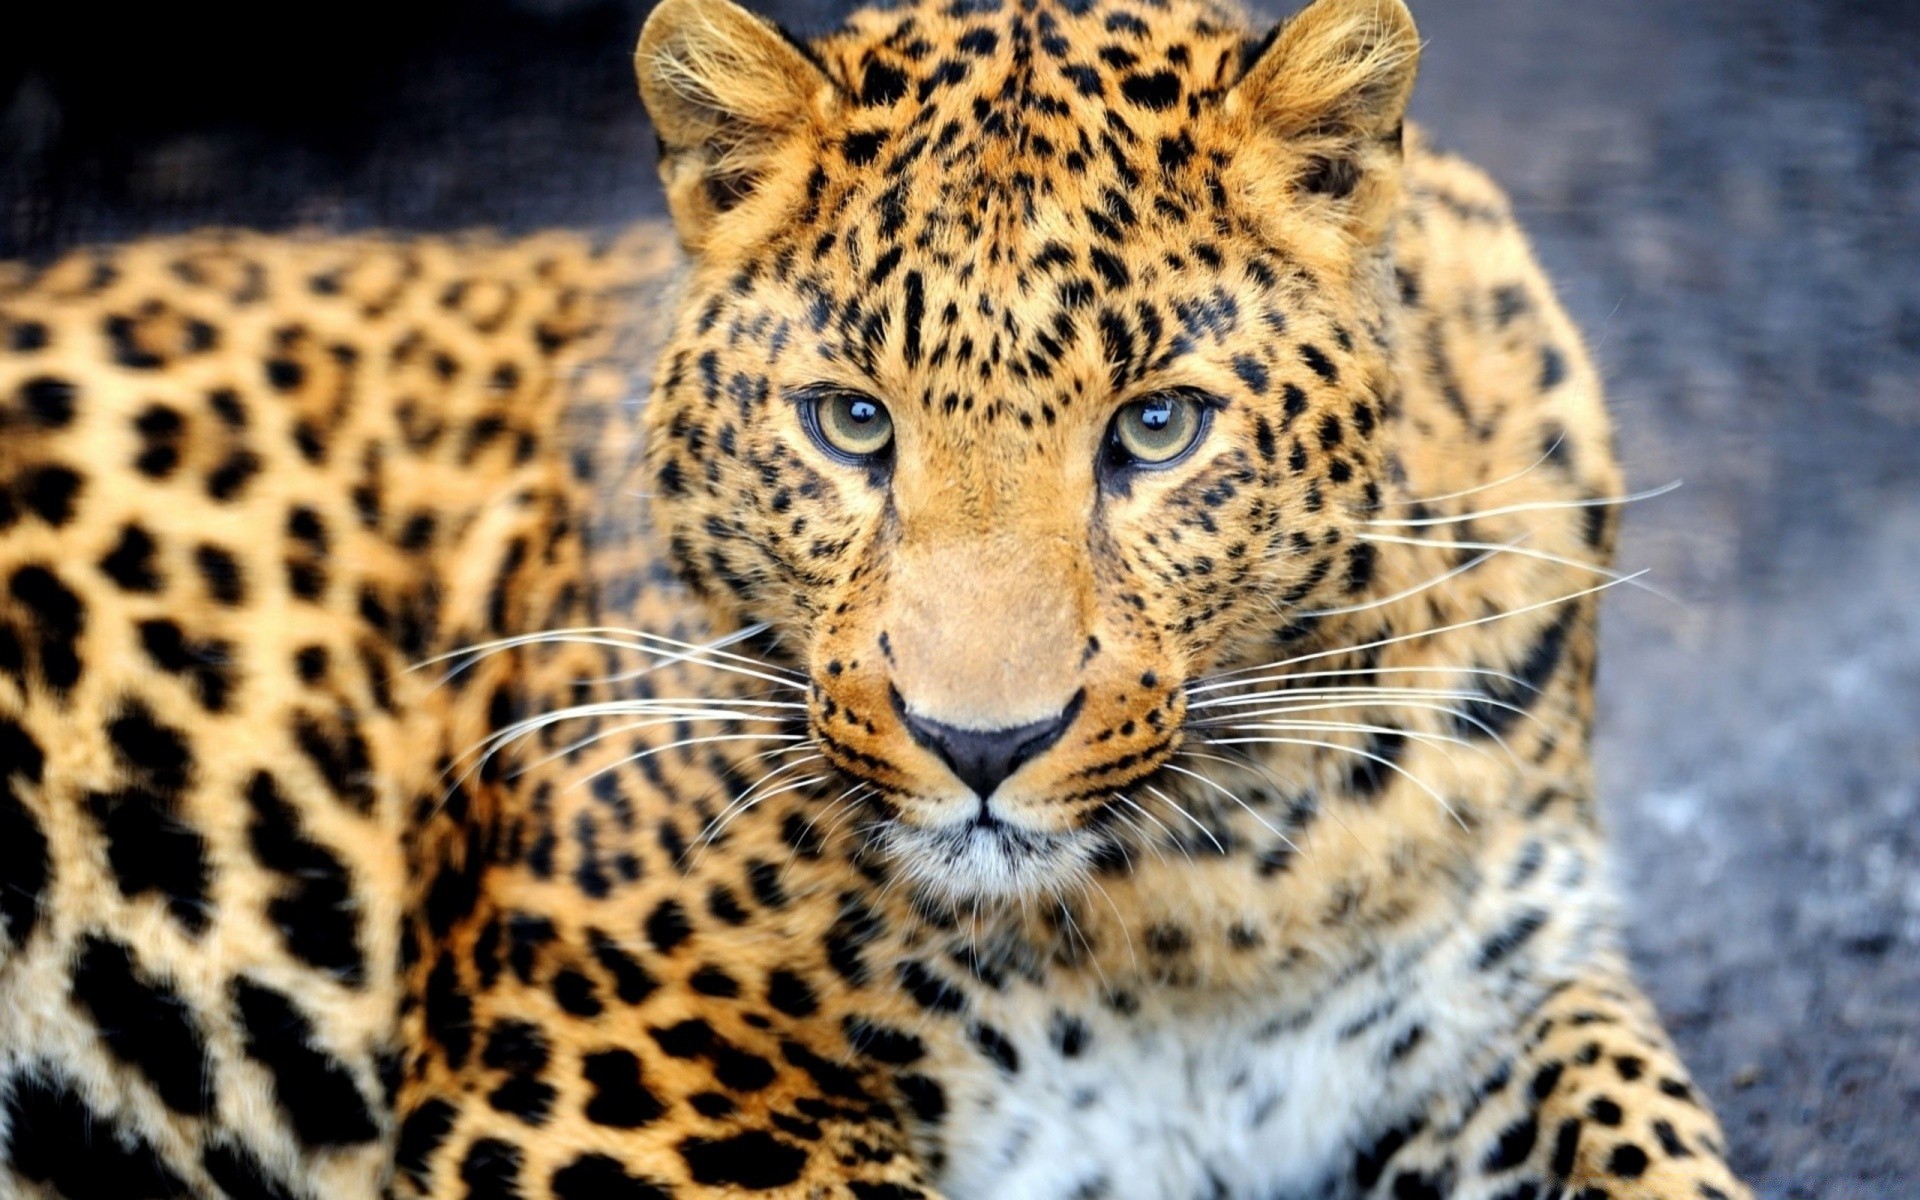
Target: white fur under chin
x=967 y=861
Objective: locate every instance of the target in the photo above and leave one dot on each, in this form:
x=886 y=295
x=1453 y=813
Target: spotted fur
x=463 y=734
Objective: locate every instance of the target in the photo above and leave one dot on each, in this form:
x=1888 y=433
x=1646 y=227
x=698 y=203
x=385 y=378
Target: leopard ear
x=1333 y=84
x=726 y=91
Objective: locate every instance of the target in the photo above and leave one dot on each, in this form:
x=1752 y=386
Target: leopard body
x=469 y=729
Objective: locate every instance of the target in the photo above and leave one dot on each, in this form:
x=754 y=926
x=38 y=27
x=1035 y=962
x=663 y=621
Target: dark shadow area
x=1728 y=196
x=117 y=120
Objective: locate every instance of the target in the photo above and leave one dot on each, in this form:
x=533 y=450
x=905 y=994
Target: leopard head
x=1033 y=361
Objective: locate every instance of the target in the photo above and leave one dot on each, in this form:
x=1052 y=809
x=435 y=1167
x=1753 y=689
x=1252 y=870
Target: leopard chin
x=990 y=857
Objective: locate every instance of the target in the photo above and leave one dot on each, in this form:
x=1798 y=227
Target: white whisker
x=751 y=796
x=1264 y=823
x=1140 y=834
x=1415 y=590
x=669 y=710
x=708 y=654
x=1066 y=913
x=850 y=799
x=1439 y=741
x=1487 y=487
x=1384 y=697
x=1486 y=620
x=1396 y=768
x=1197 y=824
x=668 y=715
x=1136 y=806
x=1119 y=919
x=1539 y=506
x=719 y=824
x=1224 y=721
x=1212 y=683
x=1248 y=763
x=699 y=741
x=1493 y=548
x=1414 y=735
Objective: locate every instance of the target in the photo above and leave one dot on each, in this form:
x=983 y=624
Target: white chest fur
x=1228 y=1101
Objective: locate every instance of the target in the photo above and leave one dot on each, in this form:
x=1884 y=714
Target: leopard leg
x=1590 y=1102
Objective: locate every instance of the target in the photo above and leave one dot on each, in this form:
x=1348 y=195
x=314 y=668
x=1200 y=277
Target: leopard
x=1033 y=639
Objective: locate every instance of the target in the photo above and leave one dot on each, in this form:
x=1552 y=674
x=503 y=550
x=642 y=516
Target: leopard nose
x=983 y=758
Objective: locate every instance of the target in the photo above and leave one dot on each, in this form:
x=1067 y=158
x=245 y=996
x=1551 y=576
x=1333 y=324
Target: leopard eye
x=1157 y=431
x=848 y=425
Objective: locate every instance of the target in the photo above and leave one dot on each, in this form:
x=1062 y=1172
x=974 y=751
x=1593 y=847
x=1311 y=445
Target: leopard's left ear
x=1332 y=85
x=727 y=91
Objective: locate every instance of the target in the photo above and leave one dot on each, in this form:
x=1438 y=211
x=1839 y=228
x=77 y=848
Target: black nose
x=983 y=758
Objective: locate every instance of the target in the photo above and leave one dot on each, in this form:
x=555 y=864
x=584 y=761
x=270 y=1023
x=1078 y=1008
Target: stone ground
x=1729 y=197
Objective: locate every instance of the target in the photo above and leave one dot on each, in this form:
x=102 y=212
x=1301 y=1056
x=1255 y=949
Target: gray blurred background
x=1728 y=195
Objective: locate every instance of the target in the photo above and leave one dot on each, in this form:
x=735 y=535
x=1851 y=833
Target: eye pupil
x=1156 y=414
x=863 y=411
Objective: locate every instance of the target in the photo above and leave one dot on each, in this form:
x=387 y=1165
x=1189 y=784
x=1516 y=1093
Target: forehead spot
x=1158 y=91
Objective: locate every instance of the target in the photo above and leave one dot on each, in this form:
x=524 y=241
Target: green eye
x=1156 y=431
x=849 y=425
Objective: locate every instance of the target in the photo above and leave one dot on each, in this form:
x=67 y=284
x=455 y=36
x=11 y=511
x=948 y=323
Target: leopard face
x=1034 y=362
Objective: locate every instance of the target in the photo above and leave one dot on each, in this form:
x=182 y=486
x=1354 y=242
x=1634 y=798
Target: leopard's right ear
x=727 y=91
